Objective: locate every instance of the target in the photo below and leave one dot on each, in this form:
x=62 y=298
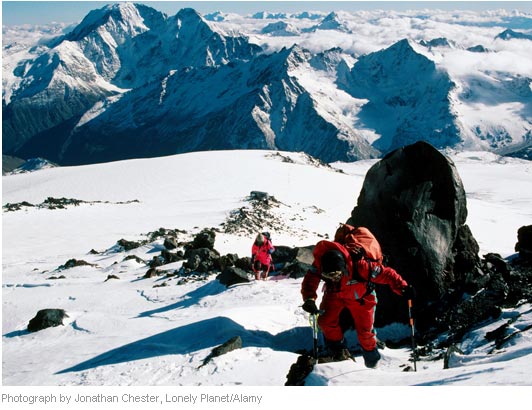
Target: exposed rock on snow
x=72 y=263
x=300 y=370
x=57 y=203
x=524 y=242
x=204 y=239
x=46 y=318
x=251 y=219
x=232 y=276
x=232 y=344
x=414 y=202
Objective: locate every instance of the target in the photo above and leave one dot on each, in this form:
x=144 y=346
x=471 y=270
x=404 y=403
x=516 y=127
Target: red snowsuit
x=346 y=294
x=263 y=253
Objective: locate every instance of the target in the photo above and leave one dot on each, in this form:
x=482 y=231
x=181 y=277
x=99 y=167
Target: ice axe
x=313 y=319
x=411 y=320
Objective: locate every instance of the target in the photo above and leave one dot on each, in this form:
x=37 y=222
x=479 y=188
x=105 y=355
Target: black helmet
x=333 y=262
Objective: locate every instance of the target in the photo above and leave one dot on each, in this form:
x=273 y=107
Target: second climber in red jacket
x=261 y=255
x=346 y=288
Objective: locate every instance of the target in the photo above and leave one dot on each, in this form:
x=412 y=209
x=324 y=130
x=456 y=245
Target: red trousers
x=363 y=316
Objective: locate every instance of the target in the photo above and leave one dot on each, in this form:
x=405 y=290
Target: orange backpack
x=360 y=242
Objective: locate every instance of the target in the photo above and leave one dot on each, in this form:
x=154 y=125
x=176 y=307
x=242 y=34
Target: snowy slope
x=126 y=332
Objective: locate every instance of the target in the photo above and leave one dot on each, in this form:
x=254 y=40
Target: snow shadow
x=197 y=336
x=458 y=378
x=16 y=333
x=192 y=298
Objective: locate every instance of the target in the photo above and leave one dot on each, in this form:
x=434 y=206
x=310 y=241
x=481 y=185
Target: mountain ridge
x=345 y=108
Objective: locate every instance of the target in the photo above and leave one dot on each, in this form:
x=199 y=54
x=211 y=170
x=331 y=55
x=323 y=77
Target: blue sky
x=43 y=12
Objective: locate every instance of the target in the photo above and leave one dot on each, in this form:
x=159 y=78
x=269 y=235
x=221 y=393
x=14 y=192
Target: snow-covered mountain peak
x=332 y=22
x=398 y=60
x=280 y=28
x=197 y=42
x=437 y=42
x=405 y=90
x=331 y=18
x=402 y=46
x=215 y=16
x=510 y=34
x=128 y=46
x=34 y=164
x=190 y=26
x=187 y=17
x=296 y=55
x=106 y=37
x=121 y=20
x=262 y=15
x=329 y=60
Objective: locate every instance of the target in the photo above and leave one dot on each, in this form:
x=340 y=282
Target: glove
x=409 y=292
x=310 y=306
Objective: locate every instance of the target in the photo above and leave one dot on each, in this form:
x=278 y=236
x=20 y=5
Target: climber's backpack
x=361 y=244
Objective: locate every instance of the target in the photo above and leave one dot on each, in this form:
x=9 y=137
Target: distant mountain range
x=130 y=82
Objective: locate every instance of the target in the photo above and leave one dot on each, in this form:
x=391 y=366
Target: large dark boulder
x=232 y=276
x=204 y=239
x=524 y=243
x=414 y=202
x=296 y=269
x=202 y=259
x=46 y=318
x=283 y=254
x=300 y=370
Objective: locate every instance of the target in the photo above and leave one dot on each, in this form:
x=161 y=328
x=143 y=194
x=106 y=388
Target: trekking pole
x=411 y=319
x=313 y=318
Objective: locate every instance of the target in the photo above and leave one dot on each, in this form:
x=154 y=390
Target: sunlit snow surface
x=127 y=332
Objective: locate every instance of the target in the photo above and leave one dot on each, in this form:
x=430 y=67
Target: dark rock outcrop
x=296 y=270
x=243 y=263
x=414 y=202
x=128 y=245
x=232 y=344
x=202 y=259
x=300 y=370
x=524 y=242
x=171 y=257
x=227 y=260
x=46 y=318
x=151 y=273
x=284 y=254
x=232 y=276
x=170 y=243
x=72 y=263
x=204 y=239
